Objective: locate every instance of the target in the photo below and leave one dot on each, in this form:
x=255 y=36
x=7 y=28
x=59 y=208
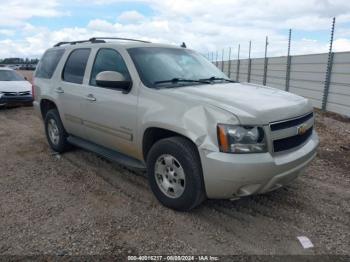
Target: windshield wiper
x=178 y=80
x=213 y=78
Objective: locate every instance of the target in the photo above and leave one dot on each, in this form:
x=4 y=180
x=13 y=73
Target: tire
x=183 y=154
x=61 y=144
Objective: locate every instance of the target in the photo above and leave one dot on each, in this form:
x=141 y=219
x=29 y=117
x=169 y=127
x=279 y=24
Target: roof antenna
x=183 y=45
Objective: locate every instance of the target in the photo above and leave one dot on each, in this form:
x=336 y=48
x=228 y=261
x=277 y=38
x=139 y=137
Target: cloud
x=7 y=32
x=308 y=23
x=204 y=26
x=341 y=45
x=16 y=12
x=131 y=17
x=101 y=25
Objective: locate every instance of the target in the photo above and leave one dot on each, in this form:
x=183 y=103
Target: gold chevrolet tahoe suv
x=169 y=110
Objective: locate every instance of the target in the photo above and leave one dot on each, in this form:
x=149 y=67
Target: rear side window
x=48 y=63
x=74 y=69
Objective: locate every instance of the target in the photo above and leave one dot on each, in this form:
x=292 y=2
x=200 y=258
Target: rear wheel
x=175 y=173
x=55 y=133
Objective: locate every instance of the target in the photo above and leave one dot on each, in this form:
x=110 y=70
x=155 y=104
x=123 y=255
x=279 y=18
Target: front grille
x=291 y=142
x=286 y=134
x=24 y=93
x=291 y=123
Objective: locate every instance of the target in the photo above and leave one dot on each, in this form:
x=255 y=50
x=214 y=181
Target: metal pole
x=212 y=57
x=329 y=69
x=249 y=62
x=238 y=63
x=217 y=62
x=229 y=62
x=222 y=60
x=265 y=61
x=288 y=61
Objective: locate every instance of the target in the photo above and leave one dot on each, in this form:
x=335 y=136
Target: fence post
x=216 y=60
x=265 y=62
x=238 y=63
x=229 y=62
x=288 y=61
x=329 y=70
x=249 y=62
x=222 y=60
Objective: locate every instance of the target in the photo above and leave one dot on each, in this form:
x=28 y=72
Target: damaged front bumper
x=229 y=176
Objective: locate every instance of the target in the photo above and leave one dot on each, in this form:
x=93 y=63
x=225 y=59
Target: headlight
x=241 y=139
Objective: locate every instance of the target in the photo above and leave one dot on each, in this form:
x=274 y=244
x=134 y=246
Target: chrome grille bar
x=291 y=133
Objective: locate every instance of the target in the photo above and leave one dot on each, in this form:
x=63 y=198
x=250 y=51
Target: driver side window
x=108 y=60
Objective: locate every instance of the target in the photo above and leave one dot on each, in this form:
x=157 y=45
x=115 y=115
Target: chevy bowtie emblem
x=302 y=129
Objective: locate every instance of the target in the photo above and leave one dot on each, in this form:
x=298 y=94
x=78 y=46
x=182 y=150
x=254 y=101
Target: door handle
x=90 y=97
x=59 y=90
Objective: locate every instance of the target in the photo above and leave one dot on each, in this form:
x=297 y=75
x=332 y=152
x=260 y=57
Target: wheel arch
x=46 y=105
x=153 y=134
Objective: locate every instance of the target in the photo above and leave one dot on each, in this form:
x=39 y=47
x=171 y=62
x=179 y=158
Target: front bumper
x=234 y=175
x=13 y=100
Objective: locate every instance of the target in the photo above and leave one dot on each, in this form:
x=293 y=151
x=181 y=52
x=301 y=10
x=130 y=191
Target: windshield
x=159 y=65
x=9 y=75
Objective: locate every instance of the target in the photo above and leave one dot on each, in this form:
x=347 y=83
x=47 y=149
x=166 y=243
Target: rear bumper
x=10 y=100
x=236 y=175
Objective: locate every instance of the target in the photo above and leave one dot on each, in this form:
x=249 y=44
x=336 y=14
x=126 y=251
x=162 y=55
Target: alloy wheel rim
x=170 y=176
x=53 y=131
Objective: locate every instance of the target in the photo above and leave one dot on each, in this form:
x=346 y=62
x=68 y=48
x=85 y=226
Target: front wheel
x=175 y=173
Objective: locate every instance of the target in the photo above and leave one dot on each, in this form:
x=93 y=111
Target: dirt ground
x=79 y=203
x=27 y=73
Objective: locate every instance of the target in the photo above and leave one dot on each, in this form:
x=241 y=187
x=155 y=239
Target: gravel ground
x=78 y=203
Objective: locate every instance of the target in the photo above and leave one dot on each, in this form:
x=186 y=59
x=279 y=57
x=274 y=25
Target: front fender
x=198 y=123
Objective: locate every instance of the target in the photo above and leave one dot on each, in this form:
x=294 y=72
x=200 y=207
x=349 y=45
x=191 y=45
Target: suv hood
x=252 y=104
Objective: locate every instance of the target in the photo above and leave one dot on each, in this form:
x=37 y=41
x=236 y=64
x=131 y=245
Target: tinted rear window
x=48 y=63
x=74 y=69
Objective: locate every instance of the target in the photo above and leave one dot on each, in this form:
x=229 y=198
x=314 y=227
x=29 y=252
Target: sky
x=29 y=27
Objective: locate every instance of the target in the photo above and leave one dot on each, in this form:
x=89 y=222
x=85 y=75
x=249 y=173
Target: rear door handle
x=59 y=90
x=90 y=97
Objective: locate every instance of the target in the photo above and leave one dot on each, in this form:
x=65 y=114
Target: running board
x=111 y=155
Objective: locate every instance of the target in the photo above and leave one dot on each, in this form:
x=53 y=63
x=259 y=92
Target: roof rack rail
x=98 y=40
x=118 y=38
x=79 y=42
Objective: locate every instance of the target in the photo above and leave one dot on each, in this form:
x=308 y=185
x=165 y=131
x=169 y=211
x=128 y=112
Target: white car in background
x=14 y=67
x=14 y=88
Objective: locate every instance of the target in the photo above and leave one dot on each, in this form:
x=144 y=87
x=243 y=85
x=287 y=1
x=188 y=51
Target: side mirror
x=114 y=80
x=25 y=78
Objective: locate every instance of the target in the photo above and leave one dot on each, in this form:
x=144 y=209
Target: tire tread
x=188 y=150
